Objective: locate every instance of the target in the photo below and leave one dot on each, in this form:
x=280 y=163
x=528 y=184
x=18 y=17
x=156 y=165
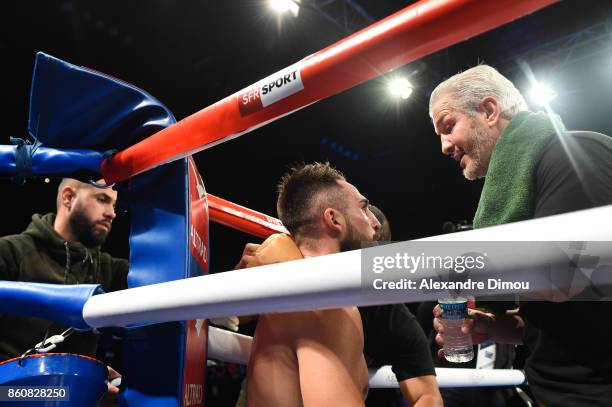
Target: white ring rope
x=331 y=281
x=227 y=346
x=449 y=377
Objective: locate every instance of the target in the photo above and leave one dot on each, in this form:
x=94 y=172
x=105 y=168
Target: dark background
x=190 y=54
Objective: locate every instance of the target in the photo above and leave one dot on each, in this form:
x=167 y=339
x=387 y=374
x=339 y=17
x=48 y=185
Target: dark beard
x=352 y=241
x=347 y=245
x=85 y=230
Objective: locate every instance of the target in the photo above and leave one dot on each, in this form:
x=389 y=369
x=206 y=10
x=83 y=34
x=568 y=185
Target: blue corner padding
x=82 y=377
x=55 y=302
x=52 y=162
x=76 y=107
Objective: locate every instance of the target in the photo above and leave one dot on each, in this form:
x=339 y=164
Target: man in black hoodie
x=62 y=248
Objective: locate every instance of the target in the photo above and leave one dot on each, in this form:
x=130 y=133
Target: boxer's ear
x=334 y=220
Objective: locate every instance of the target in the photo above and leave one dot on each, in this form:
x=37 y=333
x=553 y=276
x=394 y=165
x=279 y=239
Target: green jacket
x=41 y=255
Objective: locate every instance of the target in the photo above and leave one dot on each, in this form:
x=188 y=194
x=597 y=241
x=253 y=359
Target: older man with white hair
x=533 y=167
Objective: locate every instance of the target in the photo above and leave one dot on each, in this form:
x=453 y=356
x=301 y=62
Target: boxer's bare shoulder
x=312 y=358
x=272 y=376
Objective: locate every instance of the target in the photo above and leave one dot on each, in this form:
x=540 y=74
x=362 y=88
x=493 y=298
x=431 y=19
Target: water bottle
x=457 y=345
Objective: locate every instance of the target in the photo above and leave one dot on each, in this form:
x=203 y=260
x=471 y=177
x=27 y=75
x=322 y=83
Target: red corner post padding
x=418 y=30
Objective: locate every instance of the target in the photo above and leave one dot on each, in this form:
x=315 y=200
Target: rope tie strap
x=23 y=158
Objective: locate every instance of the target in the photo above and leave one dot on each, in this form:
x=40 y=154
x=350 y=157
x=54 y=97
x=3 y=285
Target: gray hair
x=467 y=89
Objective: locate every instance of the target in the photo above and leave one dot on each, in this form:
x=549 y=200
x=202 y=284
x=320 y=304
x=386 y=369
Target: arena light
x=282 y=6
x=542 y=94
x=401 y=88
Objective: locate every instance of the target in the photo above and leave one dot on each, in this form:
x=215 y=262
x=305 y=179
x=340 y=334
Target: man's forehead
x=441 y=108
x=105 y=191
x=352 y=190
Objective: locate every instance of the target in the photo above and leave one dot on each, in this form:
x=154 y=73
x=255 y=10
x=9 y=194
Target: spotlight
x=542 y=94
x=282 y=6
x=400 y=87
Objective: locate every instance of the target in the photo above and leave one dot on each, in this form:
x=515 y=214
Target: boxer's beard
x=85 y=230
x=353 y=240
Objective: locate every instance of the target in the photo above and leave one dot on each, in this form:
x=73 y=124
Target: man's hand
x=110 y=398
x=248 y=256
x=277 y=248
x=479 y=324
x=112 y=375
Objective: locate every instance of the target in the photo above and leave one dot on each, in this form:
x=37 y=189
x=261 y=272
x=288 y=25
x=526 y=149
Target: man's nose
x=375 y=223
x=447 y=146
x=110 y=212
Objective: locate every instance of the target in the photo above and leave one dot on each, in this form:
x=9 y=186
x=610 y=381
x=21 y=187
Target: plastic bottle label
x=454 y=311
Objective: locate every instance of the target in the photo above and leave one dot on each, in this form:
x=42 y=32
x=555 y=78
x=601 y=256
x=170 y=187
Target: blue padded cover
x=55 y=302
x=83 y=376
x=76 y=107
x=52 y=162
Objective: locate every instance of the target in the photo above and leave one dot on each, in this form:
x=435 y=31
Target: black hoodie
x=41 y=255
